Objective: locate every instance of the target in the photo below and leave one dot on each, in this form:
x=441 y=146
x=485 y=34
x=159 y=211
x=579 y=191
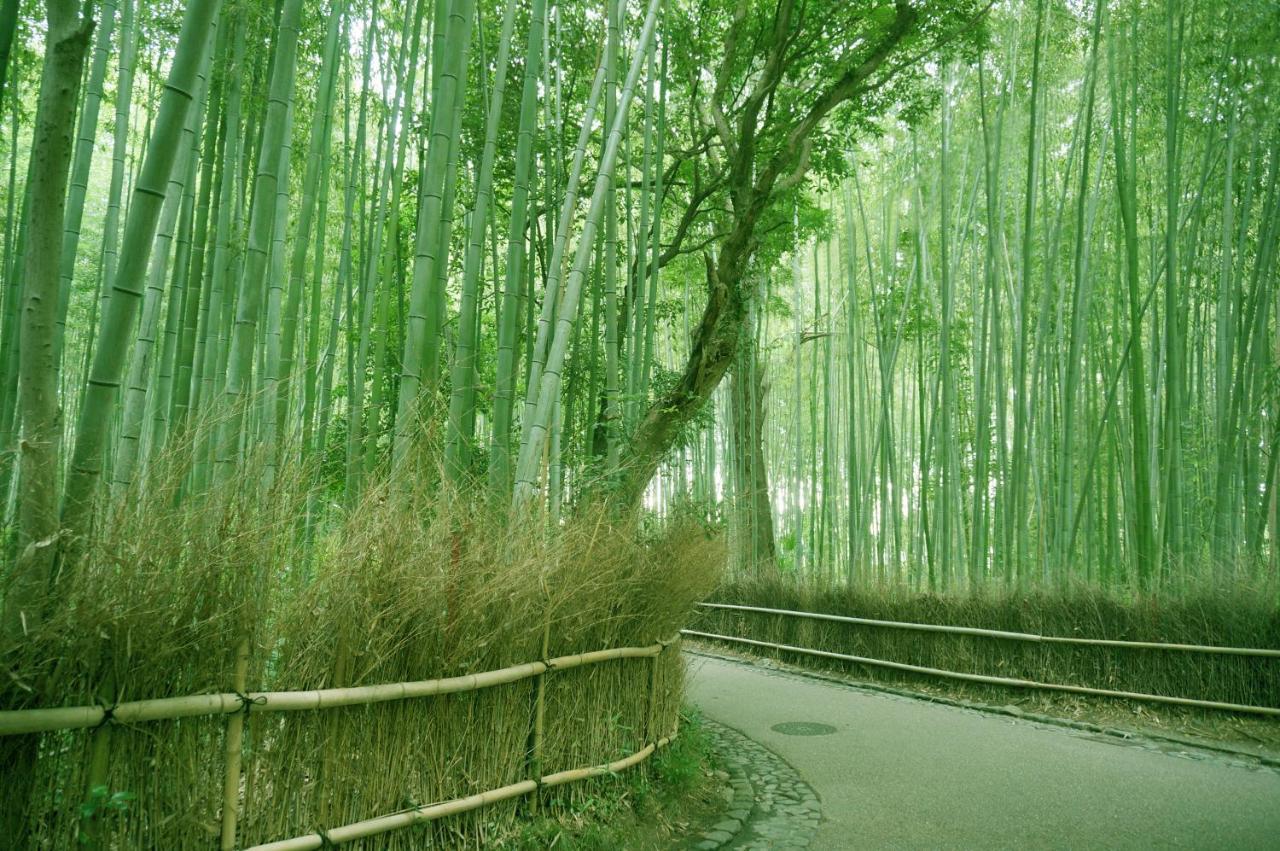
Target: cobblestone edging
x=771 y=806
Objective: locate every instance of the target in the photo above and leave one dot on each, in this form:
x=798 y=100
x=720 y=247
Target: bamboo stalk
x=539 y=712
x=573 y=775
x=653 y=688
x=982 y=678
x=74 y=717
x=996 y=633
x=24 y=721
x=99 y=765
x=234 y=743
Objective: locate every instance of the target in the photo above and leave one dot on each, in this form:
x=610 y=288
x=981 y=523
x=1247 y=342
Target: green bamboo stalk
x=611 y=414
x=655 y=248
x=81 y=164
x=462 y=398
x=548 y=394
x=507 y=363
x=261 y=216
x=135 y=390
x=124 y=104
x=27 y=594
x=536 y=357
x=140 y=226
x=422 y=331
x=1144 y=557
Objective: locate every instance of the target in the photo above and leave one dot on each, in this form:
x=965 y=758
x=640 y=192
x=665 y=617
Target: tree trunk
x=753 y=515
x=715 y=343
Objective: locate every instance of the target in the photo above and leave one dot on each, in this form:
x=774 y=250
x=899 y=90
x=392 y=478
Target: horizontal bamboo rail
x=1260 y=652
x=15 y=722
x=989 y=680
x=407 y=818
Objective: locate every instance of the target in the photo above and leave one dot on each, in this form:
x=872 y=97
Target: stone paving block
x=772 y=808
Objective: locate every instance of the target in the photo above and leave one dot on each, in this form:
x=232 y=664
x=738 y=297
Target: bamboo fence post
x=539 y=712
x=234 y=743
x=99 y=763
x=649 y=736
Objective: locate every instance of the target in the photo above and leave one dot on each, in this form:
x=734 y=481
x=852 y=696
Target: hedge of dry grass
x=411 y=584
x=1231 y=617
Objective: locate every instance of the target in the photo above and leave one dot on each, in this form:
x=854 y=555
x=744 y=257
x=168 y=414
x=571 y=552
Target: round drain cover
x=803 y=728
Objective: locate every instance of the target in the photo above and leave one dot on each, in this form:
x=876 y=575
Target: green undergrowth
x=1237 y=617
x=652 y=806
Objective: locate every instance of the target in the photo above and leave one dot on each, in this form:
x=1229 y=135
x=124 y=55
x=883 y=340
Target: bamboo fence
x=984 y=678
x=236 y=705
x=1260 y=652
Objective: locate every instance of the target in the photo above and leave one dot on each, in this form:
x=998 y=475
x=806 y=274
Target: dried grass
x=1238 y=617
x=414 y=582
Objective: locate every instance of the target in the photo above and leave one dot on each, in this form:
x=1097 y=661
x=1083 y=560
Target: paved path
x=904 y=773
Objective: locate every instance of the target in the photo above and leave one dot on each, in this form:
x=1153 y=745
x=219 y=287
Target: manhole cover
x=803 y=728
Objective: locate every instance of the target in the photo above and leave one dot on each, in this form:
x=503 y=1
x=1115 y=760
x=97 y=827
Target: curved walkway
x=894 y=772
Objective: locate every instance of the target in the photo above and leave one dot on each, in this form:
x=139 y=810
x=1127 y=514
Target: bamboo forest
x=385 y=386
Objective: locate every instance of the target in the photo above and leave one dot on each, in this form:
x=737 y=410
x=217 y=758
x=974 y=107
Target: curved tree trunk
x=756 y=184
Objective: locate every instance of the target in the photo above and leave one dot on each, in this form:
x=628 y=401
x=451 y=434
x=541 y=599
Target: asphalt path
x=897 y=772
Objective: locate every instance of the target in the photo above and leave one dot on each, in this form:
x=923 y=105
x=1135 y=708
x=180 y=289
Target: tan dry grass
x=412 y=583
x=1237 y=617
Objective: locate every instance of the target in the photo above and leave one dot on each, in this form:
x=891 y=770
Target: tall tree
x=767 y=149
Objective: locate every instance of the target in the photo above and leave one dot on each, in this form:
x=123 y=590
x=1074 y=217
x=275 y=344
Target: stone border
x=772 y=806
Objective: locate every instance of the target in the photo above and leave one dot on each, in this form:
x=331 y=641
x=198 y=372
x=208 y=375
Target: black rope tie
x=325 y=841
x=247 y=703
x=108 y=716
